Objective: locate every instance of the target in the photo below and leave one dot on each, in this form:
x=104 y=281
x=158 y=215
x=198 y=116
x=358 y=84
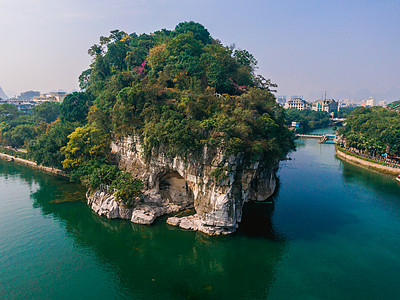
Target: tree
x=75 y=107
x=128 y=188
x=373 y=129
x=8 y=112
x=21 y=135
x=85 y=143
x=184 y=42
x=199 y=32
x=246 y=59
x=47 y=112
x=46 y=149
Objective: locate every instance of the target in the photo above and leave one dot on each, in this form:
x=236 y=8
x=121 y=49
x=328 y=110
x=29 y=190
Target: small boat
x=398 y=178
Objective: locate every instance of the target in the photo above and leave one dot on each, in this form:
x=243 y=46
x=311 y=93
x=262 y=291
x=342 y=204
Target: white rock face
x=176 y=183
x=145 y=212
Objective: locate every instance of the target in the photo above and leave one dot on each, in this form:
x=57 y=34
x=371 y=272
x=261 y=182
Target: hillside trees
x=374 y=129
x=75 y=107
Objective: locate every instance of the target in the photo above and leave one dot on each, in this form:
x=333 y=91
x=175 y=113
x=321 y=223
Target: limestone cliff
x=216 y=185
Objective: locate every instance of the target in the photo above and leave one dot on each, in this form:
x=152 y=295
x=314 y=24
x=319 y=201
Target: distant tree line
x=309 y=119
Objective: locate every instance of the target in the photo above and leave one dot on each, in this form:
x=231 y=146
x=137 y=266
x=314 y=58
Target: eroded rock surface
x=144 y=212
x=216 y=185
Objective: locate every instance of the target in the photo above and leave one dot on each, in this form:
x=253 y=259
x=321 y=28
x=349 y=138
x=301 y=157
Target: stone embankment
x=32 y=164
x=367 y=164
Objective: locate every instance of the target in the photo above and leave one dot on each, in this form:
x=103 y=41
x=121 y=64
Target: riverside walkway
x=377 y=164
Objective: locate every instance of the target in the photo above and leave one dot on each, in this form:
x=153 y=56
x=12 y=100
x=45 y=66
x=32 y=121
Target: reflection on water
x=161 y=261
x=331 y=233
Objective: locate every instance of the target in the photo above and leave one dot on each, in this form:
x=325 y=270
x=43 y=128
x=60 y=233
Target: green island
x=180 y=92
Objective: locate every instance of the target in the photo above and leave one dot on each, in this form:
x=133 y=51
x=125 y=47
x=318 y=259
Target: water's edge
x=366 y=164
x=32 y=164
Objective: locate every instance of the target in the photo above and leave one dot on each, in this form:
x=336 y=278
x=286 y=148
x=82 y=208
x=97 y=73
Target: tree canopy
x=374 y=129
x=309 y=119
x=183 y=89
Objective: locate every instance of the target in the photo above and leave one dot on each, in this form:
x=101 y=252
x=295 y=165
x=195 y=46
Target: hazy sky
x=349 y=48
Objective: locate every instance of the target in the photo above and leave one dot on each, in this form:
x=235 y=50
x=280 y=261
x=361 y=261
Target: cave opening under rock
x=174 y=188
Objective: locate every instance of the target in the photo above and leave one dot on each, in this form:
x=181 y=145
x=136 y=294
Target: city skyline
x=349 y=48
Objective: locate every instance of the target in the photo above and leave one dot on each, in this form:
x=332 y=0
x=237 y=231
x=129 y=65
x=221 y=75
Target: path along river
x=333 y=233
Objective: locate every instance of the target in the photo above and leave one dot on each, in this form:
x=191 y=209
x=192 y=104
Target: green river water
x=333 y=232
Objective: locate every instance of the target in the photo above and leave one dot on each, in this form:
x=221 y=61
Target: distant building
x=328 y=105
x=296 y=124
x=369 y=102
x=298 y=103
x=53 y=97
x=382 y=103
x=281 y=100
x=60 y=96
x=26 y=105
x=22 y=104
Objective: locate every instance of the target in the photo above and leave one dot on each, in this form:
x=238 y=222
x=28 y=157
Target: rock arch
x=174 y=189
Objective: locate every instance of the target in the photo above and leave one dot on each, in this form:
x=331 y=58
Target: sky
x=349 y=48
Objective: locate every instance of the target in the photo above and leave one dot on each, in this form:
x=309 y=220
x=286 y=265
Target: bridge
x=323 y=138
x=337 y=120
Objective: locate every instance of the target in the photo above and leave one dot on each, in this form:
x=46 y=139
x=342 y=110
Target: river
x=333 y=232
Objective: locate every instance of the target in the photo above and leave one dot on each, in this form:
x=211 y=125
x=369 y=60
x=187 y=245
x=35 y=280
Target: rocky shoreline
x=145 y=213
x=151 y=206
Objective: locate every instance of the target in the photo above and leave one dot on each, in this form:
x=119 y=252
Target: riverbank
x=361 y=161
x=32 y=164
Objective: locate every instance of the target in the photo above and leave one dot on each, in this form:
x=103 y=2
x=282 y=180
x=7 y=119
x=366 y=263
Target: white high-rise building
x=370 y=102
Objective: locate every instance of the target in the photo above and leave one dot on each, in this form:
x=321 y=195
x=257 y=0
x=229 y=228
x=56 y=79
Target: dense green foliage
x=75 y=108
x=18 y=129
x=128 y=189
x=309 y=119
x=375 y=130
x=182 y=89
x=344 y=112
x=46 y=150
x=178 y=90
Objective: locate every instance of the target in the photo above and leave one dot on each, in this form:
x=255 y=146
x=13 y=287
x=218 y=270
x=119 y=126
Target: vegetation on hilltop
x=179 y=90
x=374 y=130
x=183 y=89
